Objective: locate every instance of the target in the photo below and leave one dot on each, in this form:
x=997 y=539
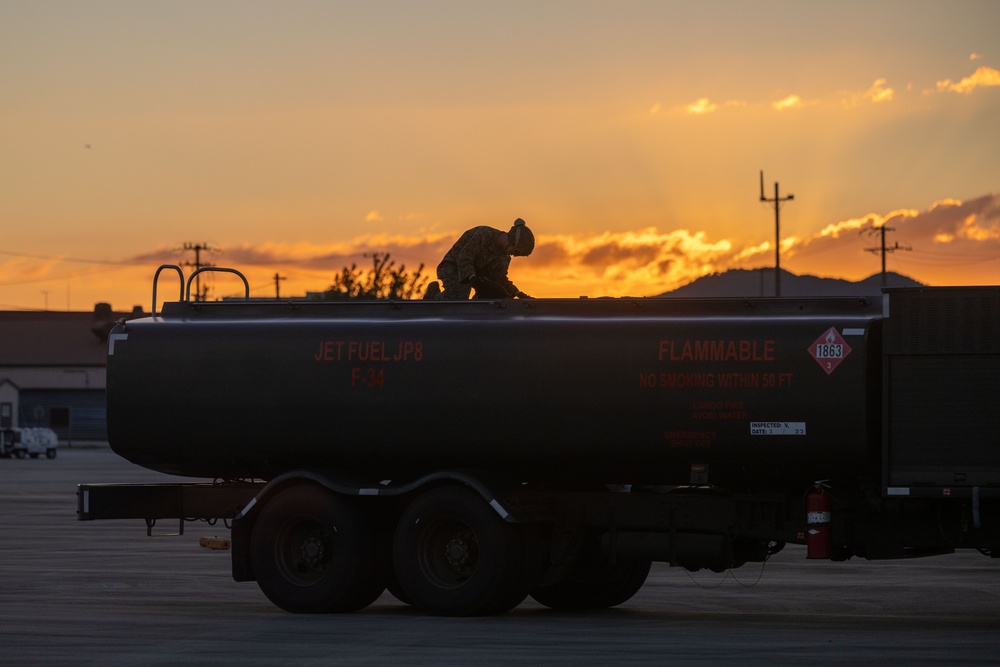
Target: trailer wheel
x=454 y=556
x=595 y=584
x=312 y=552
x=50 y=453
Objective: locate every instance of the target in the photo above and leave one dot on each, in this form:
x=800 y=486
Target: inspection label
x=777 y=428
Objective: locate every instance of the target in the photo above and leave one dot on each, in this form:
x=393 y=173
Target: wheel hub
x=312 y=549
x=456 y=552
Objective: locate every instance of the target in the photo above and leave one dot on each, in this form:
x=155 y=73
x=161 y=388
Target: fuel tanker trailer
x=468 y=454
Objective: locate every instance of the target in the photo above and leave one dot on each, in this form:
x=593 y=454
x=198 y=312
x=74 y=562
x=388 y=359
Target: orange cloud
x=616 y=264
x=869 y=221
x=952 y=242
x=790 y=102
x=976 y=220
x=21 y=270
x=982 y=77
x=701 y=106
x=651 y=262
x=879 y=92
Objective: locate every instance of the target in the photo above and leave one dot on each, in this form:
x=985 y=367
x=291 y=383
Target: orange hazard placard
x=829 y=350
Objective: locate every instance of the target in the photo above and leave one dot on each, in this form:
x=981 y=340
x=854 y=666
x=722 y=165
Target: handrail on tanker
x=156 y=277
x=187 y=286
x=219 y=269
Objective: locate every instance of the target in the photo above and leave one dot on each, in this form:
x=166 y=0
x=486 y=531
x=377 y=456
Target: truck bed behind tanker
x=942 y=359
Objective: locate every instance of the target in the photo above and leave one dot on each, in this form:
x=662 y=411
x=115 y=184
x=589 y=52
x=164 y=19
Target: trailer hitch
x=151 y=523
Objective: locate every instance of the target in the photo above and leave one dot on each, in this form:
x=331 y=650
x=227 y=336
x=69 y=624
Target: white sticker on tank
x=777 y=428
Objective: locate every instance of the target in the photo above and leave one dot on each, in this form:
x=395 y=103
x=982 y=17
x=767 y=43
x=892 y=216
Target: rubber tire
x=50 y=453
x=595 y=584
x=338 y=573
x=20 y=453
x=497 y=565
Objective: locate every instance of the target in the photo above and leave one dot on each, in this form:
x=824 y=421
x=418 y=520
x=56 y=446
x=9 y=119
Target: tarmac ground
x=102 y=592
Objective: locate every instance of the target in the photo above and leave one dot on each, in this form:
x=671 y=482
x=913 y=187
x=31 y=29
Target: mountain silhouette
x=760 y=282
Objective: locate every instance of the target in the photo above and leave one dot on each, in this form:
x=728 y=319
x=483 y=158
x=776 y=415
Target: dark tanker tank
x=748 y=393
x=467 y=454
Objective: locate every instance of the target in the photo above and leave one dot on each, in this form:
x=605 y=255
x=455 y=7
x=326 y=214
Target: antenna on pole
x=777 y=229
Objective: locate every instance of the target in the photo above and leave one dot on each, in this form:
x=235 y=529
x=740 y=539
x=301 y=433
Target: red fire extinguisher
x=819 y=504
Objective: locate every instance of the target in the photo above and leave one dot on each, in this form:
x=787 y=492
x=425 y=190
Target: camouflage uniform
x=476 y=253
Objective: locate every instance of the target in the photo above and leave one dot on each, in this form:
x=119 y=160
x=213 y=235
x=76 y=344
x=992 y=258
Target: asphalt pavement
x=102 y=592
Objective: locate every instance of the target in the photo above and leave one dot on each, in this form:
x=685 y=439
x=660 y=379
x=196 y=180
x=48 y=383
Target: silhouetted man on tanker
x=479 y=260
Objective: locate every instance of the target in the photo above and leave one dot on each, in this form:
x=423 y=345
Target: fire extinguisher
x=819 y=504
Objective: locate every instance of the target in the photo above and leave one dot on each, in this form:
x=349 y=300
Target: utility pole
x=882 y=230
x=777 y=229
x=197 y=265
x=277 y=279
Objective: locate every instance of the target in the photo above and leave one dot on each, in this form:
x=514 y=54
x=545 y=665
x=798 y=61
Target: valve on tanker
x=819 y=506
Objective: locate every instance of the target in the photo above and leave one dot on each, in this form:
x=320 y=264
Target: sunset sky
x=295 y=137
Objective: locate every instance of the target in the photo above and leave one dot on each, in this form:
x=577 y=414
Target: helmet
x=521 y=239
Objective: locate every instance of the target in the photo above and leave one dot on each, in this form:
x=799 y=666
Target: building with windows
x=52 y=371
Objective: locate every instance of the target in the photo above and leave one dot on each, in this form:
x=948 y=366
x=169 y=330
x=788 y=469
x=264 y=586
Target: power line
x=945 y=260
x=63 y=276
x=32 y=255
x=885 y=250
x=821 y=245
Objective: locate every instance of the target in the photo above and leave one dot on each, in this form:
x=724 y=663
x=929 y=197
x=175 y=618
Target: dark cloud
x=549 y=254
x=615 y=253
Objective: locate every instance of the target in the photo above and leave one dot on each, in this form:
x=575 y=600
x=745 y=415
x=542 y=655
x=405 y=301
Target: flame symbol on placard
x=831 y=336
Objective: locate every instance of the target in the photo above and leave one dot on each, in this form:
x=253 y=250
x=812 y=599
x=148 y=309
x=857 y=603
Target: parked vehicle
x=10 y=444
x=30 y=441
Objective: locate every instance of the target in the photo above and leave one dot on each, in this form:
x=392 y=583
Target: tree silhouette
x=383 y=281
